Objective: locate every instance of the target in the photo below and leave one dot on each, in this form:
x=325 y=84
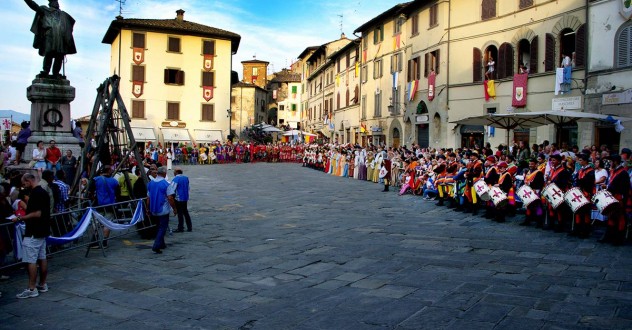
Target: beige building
x=301 y=66
x=346 y=111
x=175 y=77
x=321 y=78
x=609 y=87
x=284 y=92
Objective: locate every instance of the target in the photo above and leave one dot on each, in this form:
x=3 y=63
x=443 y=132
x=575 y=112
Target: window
x=432 y=63
x=397 y=25
x=173 y=45
x=365 y=73
x=138 y=73
x=138 y=109
x=174 y=77
x=525 y=4
x=396 y=101
x=434 y=15
x=414 y=25
x=378 y=34
x=173 y=111
x=489 y=9
x=623 y=52
x=528 y=55
x=208 y=47
x=208 y=79
x=338 y=100
x=356 y=91
x=477 y=65
x=293 y=107
x=347 y=98
x=294 y=89
x=138 y=40
x=208 y=112
x=396 y=62
x=348 y=60
x=414 y=72
x=491 y=53
x=255 y=71
x=377 y=111
x=365 y=43
x=377 y=69
x=282 y=107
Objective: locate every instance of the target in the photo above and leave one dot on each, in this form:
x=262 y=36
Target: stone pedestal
x=50 y=115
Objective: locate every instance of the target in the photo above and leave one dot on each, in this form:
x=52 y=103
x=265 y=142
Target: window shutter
x=409 y=71
x=506 y=61
x=500 y=62
x=180 y=78
x=624 y=45
x=580 y=46
x=549 y=53
x=533 y=56
x=437 y=62
x=166 y=76
x=477 y=65
x=426 y=64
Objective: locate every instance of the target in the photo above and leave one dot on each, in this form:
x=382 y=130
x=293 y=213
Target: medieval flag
x=412 y=89
x=395 y=78
x=364 y=56
x=338 y=80
x=207 y=92
x=6 y=123
x=490 y=89
x=362 y=128
x=432 y=77
x=137 y=88
x=357 y=69
x=208 y=62
x=397 y=42
x=138 y=55
x=519 y=90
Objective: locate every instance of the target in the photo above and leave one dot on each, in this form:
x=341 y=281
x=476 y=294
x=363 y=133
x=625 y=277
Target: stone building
x=248 y=106
x=175 y=76
x=255 y=72
x=284 y=92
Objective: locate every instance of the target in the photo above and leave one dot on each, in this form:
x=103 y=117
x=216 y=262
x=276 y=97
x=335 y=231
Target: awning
x=175 y=134
x=207 y=135
x=143 y=134
x=472 y=129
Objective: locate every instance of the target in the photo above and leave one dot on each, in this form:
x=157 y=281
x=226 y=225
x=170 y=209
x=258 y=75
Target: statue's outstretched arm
x=33 y=5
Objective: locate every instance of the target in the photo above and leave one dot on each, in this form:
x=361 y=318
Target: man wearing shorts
x=37 y=220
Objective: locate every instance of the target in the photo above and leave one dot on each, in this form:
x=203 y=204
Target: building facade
x=248 y=106
x=285 y=92
x=175 y=77
x=345 y=122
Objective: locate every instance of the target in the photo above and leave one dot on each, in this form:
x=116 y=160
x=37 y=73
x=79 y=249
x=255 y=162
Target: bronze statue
x=53 y=35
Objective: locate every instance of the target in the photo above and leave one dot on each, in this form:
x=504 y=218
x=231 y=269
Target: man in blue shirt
x=105 y=189
x=161 y=201
x=181 y=183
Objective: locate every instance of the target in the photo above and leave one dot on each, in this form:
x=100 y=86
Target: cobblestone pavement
x=278 y=246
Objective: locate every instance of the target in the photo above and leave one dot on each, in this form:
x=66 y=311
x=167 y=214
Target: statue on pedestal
x=53 y=36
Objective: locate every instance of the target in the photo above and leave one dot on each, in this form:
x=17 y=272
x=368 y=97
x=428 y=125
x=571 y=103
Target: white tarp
x=144 y=134
x=207 y=135
x=175 y=134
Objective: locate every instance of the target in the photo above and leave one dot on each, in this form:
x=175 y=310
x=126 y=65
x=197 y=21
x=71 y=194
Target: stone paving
x=278 y=246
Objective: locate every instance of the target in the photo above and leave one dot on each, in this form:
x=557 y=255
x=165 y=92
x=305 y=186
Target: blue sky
x=273 y=30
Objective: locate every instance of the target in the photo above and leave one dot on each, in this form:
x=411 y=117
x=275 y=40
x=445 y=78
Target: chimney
x=180 y=15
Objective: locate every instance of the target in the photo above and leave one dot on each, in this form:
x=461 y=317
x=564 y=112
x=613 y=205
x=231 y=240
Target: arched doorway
x=396 y=137
x=436 y=129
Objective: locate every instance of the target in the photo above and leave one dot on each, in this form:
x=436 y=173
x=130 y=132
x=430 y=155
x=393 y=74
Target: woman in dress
x=39 y=154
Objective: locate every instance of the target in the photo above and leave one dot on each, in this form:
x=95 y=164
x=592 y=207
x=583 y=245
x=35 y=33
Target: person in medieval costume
x=53 y=35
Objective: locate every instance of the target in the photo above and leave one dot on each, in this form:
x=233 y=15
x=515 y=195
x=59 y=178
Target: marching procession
x=558 y=189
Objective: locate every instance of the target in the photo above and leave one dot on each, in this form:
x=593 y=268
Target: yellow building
x=175 y=77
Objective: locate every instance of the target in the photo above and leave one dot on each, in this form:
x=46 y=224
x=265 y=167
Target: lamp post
x=230 y=127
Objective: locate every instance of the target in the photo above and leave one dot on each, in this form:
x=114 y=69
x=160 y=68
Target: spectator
x=53 y=155
x=182 y=188
x=37 y=220
x=161 y=201
x=22 y=140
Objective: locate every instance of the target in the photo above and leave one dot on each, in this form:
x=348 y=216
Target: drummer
x=562 y=178
x=585 y=182
x=619 y=187
x=534 y=178
x=473 y=173
x=505 y=183
x=491 y=178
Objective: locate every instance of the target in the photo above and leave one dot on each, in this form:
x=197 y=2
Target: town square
x=431 y=164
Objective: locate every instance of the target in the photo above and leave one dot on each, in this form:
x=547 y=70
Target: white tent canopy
x=295 y=132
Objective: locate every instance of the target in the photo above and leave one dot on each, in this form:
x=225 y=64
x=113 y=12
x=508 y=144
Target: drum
x=605 y=202
x=553 y=195
x=527 y=195
x=383 y=172
x=482 y=190
x=499 y=198
x=576 y=199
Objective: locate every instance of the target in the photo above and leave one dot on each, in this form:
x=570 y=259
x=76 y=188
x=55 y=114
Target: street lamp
x=230 y=128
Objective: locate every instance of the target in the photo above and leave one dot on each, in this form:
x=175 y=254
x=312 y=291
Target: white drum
x=482 y=190
x=553 y=195
x=605 y=202
x=527 y=195
x=576 y=199
x=383 y=172
x=499 y=198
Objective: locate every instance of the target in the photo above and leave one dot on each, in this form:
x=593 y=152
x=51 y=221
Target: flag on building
x=520 y=90
x=431 y=85
x=208 y=62
x=139 y=55
x=6 y=123
x=362 y=128
x=137 y=88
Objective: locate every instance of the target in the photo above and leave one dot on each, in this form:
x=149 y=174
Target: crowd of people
x=564 y=189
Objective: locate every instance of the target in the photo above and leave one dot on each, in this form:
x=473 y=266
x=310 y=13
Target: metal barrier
x=64 y=223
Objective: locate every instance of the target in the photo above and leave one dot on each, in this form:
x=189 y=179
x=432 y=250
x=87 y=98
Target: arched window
x=489 y=9
x=525 y=4
x=422 y=108
x=477 y=65
x=623 y=46
x=337 y=101
x=491 y=52
x=528 y=55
